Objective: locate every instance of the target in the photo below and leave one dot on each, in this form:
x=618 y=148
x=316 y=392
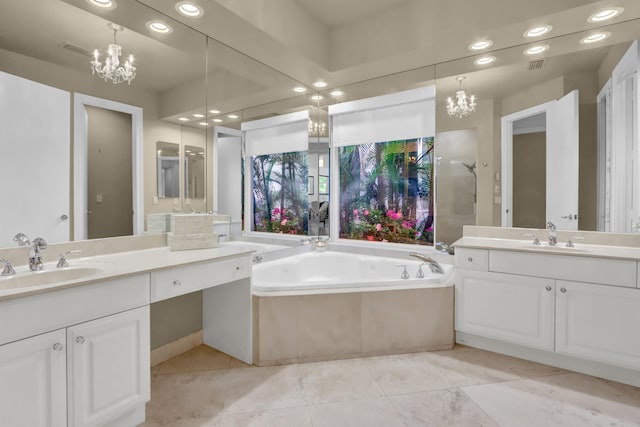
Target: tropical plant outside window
x=386 y=191
x=279 y=191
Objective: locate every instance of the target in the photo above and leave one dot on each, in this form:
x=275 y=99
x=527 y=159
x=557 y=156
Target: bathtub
x=333 y=305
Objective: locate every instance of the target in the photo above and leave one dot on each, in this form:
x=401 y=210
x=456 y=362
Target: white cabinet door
x=33 y=381
x=506 y=307
x=108 y=367
x=598 y=323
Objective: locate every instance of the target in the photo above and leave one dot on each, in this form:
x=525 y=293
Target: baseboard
x=172 y=349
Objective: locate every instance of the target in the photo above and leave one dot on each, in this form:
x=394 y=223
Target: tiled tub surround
x=330 y=305
x=573 y=307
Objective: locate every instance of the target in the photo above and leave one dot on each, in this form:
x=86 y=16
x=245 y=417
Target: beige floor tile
x=358 y=413
x=201 y=358
x=440 y=408
x=407 y=373
x=288 y=417
x=471 y=366
x=337 y=381
x=560 y=400
x=235 y=363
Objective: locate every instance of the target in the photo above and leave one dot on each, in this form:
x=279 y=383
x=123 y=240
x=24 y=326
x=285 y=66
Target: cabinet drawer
x=183 y=280
x=472 y=259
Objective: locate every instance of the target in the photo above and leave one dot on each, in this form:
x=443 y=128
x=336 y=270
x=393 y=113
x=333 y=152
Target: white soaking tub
x=333 y=305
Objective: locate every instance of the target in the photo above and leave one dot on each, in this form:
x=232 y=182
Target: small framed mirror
x=194 y=172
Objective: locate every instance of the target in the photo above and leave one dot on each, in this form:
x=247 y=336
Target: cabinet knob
x=470 y=259
x=563 y=290
x=57 y=346
x=80 y=340
x=177 y=283
x=548 y=288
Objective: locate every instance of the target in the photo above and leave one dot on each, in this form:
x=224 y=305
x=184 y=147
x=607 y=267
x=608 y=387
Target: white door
x=506 y=307
x=598 y=322
x=108 y=367
x=562 y=162
x=33 y=390
x=35 y=143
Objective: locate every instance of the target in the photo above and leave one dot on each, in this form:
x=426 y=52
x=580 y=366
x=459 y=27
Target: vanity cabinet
x=598 y=323
x=101 y=367
x=518 y=309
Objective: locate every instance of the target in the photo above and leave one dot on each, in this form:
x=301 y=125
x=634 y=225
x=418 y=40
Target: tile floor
x=460 y=387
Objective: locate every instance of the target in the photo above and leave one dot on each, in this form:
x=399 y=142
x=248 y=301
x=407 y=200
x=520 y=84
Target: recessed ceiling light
x=159 y=27
x=204 y=123
x=480 y=45
x=189 y=9
x=214 y=111
x=594 y=38
x=183 y=119
x=538 y=31
x=537 y=49
x=232 y=116
x=605 y=14
x=198 y=115
x=337 y=93
x=299 y=89
x=105 y=4
x=484 y=60
x=217 y=120
x=320 y=83
x=316 y=97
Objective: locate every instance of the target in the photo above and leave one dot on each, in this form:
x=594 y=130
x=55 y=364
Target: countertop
x=116 y=266
x=583 y=250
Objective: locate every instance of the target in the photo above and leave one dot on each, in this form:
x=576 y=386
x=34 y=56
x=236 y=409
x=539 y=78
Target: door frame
x=217 y=132
x=80 y=159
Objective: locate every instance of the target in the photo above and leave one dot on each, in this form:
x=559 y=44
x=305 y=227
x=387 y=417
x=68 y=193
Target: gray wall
x=175 y=318
x=529 y=180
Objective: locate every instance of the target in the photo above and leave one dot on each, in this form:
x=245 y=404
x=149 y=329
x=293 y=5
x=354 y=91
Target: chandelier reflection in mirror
x=463 y=105
x=318 y=128
x=111 y=69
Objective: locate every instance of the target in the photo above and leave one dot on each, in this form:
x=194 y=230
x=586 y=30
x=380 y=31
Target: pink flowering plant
x=390 y=226
x=283 y=221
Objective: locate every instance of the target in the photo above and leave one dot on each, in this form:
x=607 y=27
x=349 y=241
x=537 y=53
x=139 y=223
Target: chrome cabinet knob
x=57 y=346
x=563 y=290
x=80 y=340
x=177 y=283
x=548 y=288
x=63 y=217
x=470 y=259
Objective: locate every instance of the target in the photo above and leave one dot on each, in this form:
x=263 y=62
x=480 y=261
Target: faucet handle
x=8 y=268
x=420 y=273
x=405 y=274
x=535 y=241
x=571 y=239
x=62 y=262
x=22 y=239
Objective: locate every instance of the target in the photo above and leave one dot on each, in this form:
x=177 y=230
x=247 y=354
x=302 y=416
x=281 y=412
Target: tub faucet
x=36 y=262
x=434 y=266
x=443 y=247
x=553 y=239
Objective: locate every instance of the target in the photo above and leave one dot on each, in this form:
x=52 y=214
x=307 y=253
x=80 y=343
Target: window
x=386 y=191
x=280 y=193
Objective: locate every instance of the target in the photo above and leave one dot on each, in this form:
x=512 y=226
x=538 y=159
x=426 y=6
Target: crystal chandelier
x=463 y=105
x=111 y=69
x=318 y=128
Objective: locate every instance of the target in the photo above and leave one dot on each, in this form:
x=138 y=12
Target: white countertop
x=584 y=250
x=118 y=265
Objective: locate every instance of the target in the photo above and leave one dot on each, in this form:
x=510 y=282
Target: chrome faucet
x=434 y=266
x=443 y=247
x=8 y=268
x=553 y=239
x=36 y=262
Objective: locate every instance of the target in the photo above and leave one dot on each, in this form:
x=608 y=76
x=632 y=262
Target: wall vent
x=76 y=49
x=536 y=65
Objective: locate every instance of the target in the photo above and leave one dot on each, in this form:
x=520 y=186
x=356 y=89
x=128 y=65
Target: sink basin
x=560 y=248
x=26 y=279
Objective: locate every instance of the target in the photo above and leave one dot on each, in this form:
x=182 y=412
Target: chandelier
x=111 y=69
x=463 y=105
x=318 y=128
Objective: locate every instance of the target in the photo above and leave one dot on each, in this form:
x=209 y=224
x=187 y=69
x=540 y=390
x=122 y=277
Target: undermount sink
x=561 y=248
x=25 y=279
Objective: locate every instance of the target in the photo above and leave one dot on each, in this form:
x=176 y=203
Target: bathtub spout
x=434 y=266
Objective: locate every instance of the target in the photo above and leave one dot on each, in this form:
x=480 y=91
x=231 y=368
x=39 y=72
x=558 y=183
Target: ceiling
x=261 y=49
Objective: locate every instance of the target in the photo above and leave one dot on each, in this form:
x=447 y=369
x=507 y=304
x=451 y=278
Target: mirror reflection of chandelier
x=318 y=128
x=111 y=69
x=463 y=105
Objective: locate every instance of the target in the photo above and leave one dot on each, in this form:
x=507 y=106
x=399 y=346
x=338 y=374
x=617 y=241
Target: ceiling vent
x=536 y=65
x=75 y=49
